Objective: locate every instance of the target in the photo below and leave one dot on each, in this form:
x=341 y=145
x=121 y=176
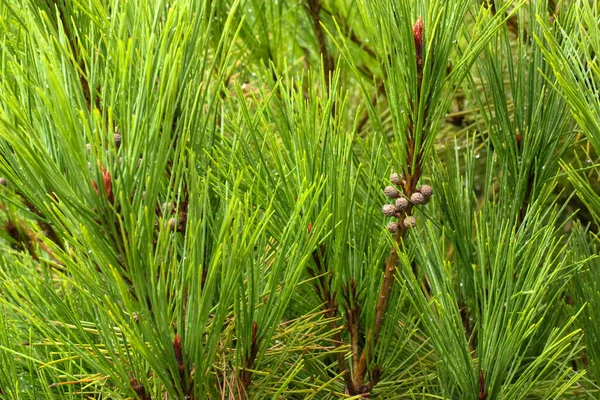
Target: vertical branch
x=314 y=9
x=186 y=376
x=483 y=394
x=403 y=211
x=353 y=320
x=246 y=375
x=326 y=295
x=380 y=310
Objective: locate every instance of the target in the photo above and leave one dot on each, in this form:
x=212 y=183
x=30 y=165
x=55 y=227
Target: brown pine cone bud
x=417 y=198
x=418 y=36
x=409 y=221
x=388 y=210
x=401 y=204
x=172 y=223
x=396 y=179
x=426 y=191
x=392 y=227
x=391 y=192
x=117 y=140
x=3 y=182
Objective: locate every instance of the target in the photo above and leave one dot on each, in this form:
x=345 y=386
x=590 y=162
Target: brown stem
x=353 y=320
x=314 y=8
x=382 y=304
x=411 y=177
x=327 y=297
x=139 y=389
x=246 y=375
x=184 y=373
x=483 y=394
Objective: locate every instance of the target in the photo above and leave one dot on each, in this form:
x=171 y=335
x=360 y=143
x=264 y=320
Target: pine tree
x=311 y=199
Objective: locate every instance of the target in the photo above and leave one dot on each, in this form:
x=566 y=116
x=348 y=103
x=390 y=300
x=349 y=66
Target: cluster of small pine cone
x=420 y=197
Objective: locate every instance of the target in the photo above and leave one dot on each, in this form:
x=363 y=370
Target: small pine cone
x=391 y=192
x=389 y=210
x=172 y=223
x=3 y=182
x=396 y=179
x=392 y=227
x=417 y=198
x=117 y=140
x=401 y=204
x=426 y=191
x=409 y=221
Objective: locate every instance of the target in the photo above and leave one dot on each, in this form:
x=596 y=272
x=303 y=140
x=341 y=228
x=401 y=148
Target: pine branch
x=323 y=289
x=314 y=9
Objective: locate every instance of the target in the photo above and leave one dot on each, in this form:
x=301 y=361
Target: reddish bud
x=310 y=227
x=418 y=34
x=177 y=349
x=107 y=184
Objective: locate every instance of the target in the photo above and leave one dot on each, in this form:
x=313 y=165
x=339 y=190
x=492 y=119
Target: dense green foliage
x=192 y=192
